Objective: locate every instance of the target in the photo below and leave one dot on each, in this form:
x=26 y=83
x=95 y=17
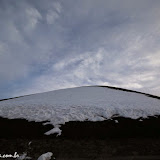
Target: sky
x=53 y=44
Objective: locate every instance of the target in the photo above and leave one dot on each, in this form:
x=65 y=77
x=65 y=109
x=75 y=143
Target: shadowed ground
x=128 y=139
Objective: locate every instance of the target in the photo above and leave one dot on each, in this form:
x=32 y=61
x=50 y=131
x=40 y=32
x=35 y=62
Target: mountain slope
x=80 y=104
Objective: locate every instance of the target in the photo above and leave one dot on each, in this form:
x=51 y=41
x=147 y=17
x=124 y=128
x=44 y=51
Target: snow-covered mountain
x=91 y=103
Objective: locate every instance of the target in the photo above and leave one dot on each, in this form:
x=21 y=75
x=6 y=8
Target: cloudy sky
x=53 y=44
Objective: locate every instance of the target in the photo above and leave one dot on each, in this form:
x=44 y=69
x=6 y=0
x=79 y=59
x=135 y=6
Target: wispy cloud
x=33 y=17
x=53 y=13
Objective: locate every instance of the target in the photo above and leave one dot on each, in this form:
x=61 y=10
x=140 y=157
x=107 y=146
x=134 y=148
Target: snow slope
x=79 y=104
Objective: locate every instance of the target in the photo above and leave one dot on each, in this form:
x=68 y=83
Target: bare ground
x=127 y=140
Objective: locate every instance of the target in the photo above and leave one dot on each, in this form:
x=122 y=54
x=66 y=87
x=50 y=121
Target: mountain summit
x=93 y=103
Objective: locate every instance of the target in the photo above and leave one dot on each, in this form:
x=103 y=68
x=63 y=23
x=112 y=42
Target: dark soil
x=83 y=148
x=127 y=139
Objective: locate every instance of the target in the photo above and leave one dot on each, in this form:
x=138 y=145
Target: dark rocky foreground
x=128 y=139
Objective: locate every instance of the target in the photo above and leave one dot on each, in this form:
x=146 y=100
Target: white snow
x=116 y=121
x=45 y=156
x=54 y=130
x=79 y=104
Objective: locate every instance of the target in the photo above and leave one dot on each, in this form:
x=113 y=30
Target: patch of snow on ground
x=79 y=104
x=45 y=156
x=116 y=121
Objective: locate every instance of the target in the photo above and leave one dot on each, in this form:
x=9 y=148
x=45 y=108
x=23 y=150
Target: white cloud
x=154 y=59
x=94 y=68
x=57 y=7
x=51 y=16
x=33 y=17
x=53 y=13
